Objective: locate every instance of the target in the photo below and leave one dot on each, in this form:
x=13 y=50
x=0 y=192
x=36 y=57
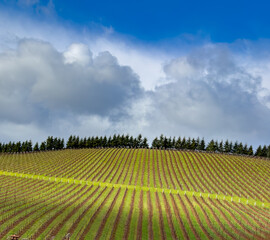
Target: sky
x=178 y=68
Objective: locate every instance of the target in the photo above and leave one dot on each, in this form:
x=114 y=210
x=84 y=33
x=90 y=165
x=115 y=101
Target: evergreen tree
x=184 y=143
x=49 y=143
x=145 y=144
x=165 y=143
x=173 y=143
x=268 y=152
x=36 y=147
x=43 y=146
x=245 y=150
x=216 y=147
x=188 y=143
x=169 y=142
x=235 y=147
x=178 y=143
x=202 y=145
x=240 y=148
x=193 y=144
x=29 y=146
x=198 y=142
x=258 y=152
x=250 y=151
x=69 y=142
x=264 y=151
x=227 y=147
x=221 y=147
x=211 y=146
x=140 y=141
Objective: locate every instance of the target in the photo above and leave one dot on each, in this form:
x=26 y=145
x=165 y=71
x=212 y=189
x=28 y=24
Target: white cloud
x=79 y=53
x=35 y=78
x=58 y=80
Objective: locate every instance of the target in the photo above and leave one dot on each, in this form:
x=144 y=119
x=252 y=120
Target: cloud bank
x=87 y=84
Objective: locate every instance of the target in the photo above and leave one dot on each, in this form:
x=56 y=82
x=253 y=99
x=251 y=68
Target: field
x=134 y=194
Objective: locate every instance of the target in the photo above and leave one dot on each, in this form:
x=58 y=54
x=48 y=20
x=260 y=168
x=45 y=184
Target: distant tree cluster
x=213 y=146
x=16 y=147
x=126 y=141
x=13 y=147
x=116 y=141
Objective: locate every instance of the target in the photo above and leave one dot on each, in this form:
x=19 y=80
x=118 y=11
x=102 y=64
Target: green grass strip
x=249 y=201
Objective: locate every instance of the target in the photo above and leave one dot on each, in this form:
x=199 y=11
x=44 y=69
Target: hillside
x=127 y=193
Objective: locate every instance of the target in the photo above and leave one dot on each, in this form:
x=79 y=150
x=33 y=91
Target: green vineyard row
x=134 y=193
x=139 y=188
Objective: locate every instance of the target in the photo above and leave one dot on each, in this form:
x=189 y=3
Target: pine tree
x=235 y=147
x=216 y=146
x=221 y=147
x=245 y=150
x=268 y=152
x=43 y=146
x=36 y=147
x=202 y=145
x=188 y=143
x=240 y=148
x=211 y=146
x=227 y=146
x=193 y=144
x=145 y=144
x=250 y=151
x=173 y=143
x=264 y=151
x=178 y=143
x=29 y=146
x=184 y=143
x=258 y=151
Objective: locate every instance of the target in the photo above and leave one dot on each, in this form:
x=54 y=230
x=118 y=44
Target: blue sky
x=181 y=68
x=151 y=21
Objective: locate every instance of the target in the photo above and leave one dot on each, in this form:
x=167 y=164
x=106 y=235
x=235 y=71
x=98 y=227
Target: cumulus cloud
x=89 y=83
x=36 y=80
x=210 y=95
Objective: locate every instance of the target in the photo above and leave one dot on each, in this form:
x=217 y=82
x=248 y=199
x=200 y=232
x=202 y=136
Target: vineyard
x=118 y=193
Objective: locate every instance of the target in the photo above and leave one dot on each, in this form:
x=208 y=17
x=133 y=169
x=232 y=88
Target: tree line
x=213 y=146
x=126 y=141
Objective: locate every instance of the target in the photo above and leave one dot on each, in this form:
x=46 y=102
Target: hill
x=134 y=193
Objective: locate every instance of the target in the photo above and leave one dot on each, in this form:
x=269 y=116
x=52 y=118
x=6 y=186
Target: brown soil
x=92 y=219
x=161 y=224
x=76 y=223
x=127 y=225
x=176 y=211
x=139 y=226
x=104 y=220
x=115 y=225
x=150 y=216
x=188 y=218
x=49 y=221
x=169 y=217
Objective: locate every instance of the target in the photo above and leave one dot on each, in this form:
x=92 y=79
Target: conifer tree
x=250 y=151
x=268 y=152
x=43 y=146
x=178 y=143
x=245 y=150
x=211 y=146
x=202 y=145
x=193 y=144
x=227 y=147
x=258 y=151
x=36 y=147
x=264 y=151
x=184 y=143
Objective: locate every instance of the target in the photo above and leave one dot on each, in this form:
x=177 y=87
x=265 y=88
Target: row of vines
x=42 y=209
